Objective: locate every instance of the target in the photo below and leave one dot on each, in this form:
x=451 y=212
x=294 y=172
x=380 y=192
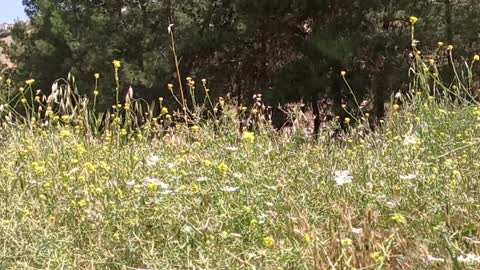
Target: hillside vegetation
x=200 y=196
x=212 y=185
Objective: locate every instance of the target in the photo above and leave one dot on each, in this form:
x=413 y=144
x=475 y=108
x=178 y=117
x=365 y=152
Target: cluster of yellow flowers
x=248 y=137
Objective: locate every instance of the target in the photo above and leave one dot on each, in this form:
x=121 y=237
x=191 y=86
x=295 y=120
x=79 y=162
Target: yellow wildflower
x=90 y=167
x=249 y=137
x=30 y=82
x=164 y=111
x=207 y=163
x=222 y=167
x=195 y=128
x=398 y=218
x=456 y=174
x=82 y=203
x=116 y=64
x=194 y=189
x=81 y=149
x=376 y=257
x=153 y=187
x=268 y=241
x=413 y=20
x=38 y=168
x=64 y=133
x=307 y=238
x=346 y=242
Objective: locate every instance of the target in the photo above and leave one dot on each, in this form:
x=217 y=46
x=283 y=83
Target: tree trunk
x=379 y=99
x=448 y=19
x=316 y=117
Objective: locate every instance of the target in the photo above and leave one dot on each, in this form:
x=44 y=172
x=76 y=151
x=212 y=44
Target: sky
x=11 y=10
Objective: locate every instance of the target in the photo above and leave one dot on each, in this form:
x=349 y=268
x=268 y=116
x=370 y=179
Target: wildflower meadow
x=148 y=186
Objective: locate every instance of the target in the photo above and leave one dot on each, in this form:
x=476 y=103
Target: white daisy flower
x=157 y=182
x=130 y=183
x=468 y=258
x=167 y=192
x=408 y=177
x=202 y=179
x=230 y=189
x=357 y=230
x=343 y=177
x=152 y=160
x=409 y=140
x=187 y=229
x=270 y=187
x=392 y=204
x=231 y=148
